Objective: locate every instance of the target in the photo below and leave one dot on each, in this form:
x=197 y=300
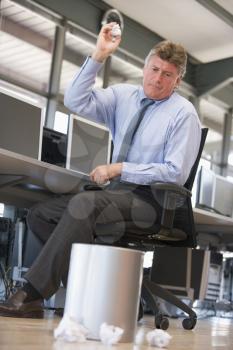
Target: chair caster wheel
x=189 y=323
x=161 y=322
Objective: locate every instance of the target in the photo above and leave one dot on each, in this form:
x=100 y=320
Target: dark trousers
x=69 y=219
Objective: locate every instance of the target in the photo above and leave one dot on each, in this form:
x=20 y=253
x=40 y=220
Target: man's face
x=159 y=78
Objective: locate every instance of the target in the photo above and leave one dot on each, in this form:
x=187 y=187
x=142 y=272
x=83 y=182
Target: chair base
x=150 y=290
x=173 y=235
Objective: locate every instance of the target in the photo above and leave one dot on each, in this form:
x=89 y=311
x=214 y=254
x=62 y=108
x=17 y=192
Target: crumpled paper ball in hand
x=70 y=330
x=110 y=335
x=158 y=338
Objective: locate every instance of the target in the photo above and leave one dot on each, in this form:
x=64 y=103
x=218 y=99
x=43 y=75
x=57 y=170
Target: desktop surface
x=40 y=180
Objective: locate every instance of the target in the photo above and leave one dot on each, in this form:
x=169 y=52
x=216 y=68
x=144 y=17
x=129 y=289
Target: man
x=162 y=146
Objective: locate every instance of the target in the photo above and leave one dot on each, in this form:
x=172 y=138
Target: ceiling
x=205 y=35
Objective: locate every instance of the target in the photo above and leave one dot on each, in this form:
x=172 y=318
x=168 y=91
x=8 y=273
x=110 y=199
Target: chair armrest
x=171 y=187
x=169 y=195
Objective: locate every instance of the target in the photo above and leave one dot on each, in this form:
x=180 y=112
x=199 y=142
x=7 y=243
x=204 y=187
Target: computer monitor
x=215 y=193
x=223 y=198
x=54 y=147
x=89 y=145
x=206 y=188
x=21 y=125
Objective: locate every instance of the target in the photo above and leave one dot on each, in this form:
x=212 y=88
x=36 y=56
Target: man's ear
x=178 y=82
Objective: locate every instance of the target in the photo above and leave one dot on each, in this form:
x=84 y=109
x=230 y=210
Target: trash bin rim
x=109 y=247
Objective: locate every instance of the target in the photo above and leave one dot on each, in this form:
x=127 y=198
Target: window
x=230 y=158
x=75 y=52
x=1 y=209
x=61 y=122
x=26 y=42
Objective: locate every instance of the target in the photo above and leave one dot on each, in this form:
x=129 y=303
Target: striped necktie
x=132 y=128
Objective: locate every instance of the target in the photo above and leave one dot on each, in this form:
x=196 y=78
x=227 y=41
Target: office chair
x=176 y=228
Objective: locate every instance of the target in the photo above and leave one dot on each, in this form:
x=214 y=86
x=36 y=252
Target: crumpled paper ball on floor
x=158 y=338
x=70 y=330
x=110 y=335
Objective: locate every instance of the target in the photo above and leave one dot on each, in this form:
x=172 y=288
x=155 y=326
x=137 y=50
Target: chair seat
x=124 y=233
x=140 y=234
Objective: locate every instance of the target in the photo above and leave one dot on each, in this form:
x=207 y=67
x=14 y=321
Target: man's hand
x=103 y=173
x=105 y=46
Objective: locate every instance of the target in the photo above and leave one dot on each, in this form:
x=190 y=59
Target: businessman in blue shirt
x=162 y=147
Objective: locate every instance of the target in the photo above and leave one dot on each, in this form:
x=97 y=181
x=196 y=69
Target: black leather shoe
x=16 y=306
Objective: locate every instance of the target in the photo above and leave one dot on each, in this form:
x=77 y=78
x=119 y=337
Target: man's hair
x=172 y=53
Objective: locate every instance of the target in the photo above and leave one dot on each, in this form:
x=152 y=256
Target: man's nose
x=158 y=77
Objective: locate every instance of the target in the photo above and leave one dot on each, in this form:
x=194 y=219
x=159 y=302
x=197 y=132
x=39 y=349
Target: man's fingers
x=99 y=174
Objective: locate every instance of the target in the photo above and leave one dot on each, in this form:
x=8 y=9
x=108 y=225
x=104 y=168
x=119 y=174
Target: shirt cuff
x=128 y=174
x=91 y=66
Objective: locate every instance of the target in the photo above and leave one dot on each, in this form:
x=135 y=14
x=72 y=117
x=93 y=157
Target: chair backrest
x=189 y=182
x=184 y=215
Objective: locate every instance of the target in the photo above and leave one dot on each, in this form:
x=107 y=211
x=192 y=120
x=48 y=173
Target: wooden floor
x=24 y=334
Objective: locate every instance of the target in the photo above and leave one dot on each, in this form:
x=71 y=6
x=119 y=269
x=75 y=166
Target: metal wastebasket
x=104 y=285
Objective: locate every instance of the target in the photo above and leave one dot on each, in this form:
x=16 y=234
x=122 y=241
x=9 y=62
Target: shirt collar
x=142 y=96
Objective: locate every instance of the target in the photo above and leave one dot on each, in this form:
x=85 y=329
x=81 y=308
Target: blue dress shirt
x=166 y=143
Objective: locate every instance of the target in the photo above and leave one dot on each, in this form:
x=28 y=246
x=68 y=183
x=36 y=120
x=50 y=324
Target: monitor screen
x=21 y=125
x=89 y=145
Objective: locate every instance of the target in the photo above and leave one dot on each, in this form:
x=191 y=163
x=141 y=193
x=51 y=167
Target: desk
x=39 y=180
x=209 y=222
x=213 y=230
x=25 y=181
